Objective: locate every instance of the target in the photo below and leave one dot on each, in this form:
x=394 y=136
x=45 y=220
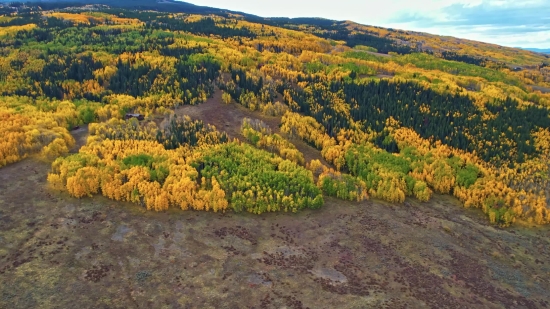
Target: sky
x=514 y=23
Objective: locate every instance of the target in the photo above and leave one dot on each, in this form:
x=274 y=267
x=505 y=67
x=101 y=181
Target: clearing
x=229 y=117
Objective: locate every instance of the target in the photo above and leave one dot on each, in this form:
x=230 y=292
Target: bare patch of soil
x=226 y=117
x=541 y=89
x=374 y=53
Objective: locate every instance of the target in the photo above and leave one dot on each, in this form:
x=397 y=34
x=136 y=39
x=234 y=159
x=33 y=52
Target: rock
x=330 y=274
x=257 y=279
x=121 y=232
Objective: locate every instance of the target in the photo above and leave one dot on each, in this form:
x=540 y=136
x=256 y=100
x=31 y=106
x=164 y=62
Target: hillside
x=156 y=5
x=135 y=118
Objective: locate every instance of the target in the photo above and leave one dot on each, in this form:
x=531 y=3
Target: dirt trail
x=61 y=252
x=541 y=89
x=80 y=136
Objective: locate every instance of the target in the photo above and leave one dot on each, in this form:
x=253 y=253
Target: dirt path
x=541 y=89
x=61 y=252
x=80 y=136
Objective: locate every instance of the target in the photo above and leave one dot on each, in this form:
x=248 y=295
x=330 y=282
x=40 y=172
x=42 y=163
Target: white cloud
x=472 y=19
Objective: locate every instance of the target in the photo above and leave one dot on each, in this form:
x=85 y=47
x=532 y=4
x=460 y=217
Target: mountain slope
x=392 y=113
x=471 y=51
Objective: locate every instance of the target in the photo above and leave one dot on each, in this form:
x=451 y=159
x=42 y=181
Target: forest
x=393 y=114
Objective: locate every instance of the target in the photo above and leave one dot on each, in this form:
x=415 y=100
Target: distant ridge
x=538 y=50
x=176 y=6
x=156 y=5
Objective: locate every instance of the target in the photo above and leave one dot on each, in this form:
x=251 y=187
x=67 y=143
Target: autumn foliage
x=208 y=175
x=394 y=114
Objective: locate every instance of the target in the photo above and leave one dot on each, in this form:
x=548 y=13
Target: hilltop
x=157 y=5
